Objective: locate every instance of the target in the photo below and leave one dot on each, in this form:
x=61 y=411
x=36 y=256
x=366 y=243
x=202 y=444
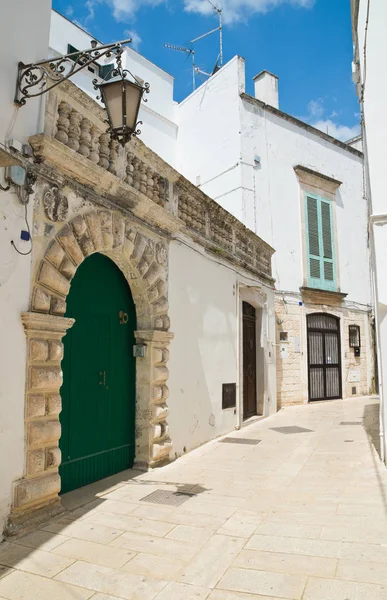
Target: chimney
x=266 y=88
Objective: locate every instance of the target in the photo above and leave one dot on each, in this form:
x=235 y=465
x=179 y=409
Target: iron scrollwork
x=47 y=74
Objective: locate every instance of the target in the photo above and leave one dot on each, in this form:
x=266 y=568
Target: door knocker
x=123 y=317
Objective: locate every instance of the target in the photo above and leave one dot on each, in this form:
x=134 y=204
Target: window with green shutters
x=320 y=250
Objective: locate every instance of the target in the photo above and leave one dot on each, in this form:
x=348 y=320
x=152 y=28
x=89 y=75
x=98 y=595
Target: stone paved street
x=302 y=514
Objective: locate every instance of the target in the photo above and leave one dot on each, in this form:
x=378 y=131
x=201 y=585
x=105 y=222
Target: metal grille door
x=324 y=362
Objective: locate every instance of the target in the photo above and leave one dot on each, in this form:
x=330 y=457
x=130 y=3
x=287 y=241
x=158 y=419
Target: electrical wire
x=29 y=231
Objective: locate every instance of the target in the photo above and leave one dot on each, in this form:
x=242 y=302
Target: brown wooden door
x=249 y=361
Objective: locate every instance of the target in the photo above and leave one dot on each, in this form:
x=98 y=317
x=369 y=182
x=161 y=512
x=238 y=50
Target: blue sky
x=307 y=43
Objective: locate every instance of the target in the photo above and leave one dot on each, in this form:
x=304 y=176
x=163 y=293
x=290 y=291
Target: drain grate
x=350 y=423
x=291 y=429
x=168 y=497
x=248 y=441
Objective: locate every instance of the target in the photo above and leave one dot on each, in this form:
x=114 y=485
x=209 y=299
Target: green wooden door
x=99 y=386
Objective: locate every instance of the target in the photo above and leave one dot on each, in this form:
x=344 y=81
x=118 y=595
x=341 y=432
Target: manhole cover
x=167 y=497
x=248 y=441
x=292 y=429
x=350 y=423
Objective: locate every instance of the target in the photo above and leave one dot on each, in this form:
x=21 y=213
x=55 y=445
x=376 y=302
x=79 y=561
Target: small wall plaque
x=228 y=395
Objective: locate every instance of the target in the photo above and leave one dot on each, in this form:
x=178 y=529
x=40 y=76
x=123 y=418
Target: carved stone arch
x=143 y=259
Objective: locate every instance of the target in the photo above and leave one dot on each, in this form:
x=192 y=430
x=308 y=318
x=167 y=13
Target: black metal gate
x=324 y=357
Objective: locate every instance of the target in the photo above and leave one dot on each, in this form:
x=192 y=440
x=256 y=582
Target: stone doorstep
x=26 y=521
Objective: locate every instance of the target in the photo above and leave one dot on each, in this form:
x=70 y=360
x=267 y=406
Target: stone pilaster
x=41 y=484
x=153 y=444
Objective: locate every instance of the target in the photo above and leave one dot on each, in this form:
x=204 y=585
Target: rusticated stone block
x=37 y=490
x=157 y=394
x=156 y=431
x=160 y=355
x=67 y=240
x=55 y=350
x=153 y=273
x=160 y=413
x=130 y=236
x=43 y=432
x=38 y=350
x=51 y=278
x=53 y=457
x=54 y=404
x=160 y=374
x=41 y=301
x=58 y=306
x=36 y=406
x=35 y=462
x=45 y=378
x=161 y=451
x=94 y=225
x=55 y=254
x=160 y=306
x=107 y=229
x=118 y=230
x=140 y=243
x=68 y=269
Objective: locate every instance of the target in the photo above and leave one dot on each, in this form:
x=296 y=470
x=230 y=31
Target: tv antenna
x=219 y=10
x=189 y=52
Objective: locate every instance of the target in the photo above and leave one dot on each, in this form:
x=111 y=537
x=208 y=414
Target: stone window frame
x=325 y=187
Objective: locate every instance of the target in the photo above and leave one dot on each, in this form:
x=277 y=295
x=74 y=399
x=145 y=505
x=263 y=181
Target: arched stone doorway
x=143 y=259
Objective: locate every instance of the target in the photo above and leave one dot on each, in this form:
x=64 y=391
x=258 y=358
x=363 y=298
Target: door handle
x=103 y=375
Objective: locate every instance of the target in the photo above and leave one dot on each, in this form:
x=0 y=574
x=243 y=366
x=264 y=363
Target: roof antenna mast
x=191 y=51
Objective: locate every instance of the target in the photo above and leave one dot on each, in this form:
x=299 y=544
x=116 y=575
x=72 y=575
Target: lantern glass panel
x=112 y=96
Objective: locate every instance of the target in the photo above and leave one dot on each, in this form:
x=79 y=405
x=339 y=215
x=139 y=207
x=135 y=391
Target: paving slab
x=301 y=515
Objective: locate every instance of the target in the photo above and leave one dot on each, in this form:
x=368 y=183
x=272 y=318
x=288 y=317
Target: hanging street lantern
x=122 y=98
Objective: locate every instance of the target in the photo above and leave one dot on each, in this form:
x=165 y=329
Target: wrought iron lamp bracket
x=47 y=74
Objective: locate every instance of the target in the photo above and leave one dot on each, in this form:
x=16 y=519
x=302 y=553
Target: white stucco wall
x=204 y=306
x=17 y=43
x=208 y=148
x=370 y=43
x=271 y=192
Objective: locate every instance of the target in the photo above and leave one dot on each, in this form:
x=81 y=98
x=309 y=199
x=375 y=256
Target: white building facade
x=301 y=191
x=270 y=171
x=370 y=50
x=139 y=319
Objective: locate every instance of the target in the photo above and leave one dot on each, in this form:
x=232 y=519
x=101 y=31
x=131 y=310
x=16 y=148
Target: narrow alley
x=293 y=506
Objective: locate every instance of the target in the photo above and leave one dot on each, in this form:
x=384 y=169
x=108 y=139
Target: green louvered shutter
x=314 y=254
x=326 y=233
x=321 y=267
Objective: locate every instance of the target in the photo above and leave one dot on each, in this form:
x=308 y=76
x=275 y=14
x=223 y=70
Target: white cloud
x=123 y=10
x=340 y=132
x=69 y=11
x=317 y=117
x=316 y=108
x=239 y=10
x=136 y=40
